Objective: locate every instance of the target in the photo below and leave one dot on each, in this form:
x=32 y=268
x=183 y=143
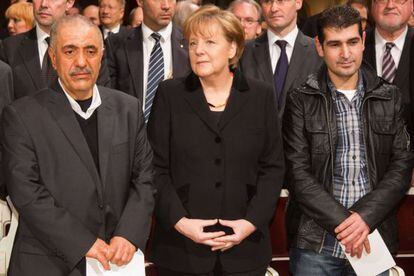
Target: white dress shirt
x=96 y=102
x=41 y=43
x=274 y=50
x=148 y=44
x=114 y=30
x=396 y=51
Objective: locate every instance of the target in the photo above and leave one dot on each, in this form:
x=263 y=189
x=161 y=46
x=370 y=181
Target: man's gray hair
x=71 y=20
x=234 y=3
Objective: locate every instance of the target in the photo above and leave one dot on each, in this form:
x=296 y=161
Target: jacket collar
x=192 y=82
x=318 y=82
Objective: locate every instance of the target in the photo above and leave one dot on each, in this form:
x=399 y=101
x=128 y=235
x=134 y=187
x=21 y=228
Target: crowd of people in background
x=220 y=109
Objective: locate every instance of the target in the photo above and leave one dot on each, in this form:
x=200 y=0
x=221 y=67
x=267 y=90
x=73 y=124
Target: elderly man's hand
x=99 y=251
x=352 y=233
x=241 y=228
x=194 y=230
x=120 y=251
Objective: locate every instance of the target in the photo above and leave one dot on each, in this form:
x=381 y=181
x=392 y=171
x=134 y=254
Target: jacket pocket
x=317 y=133
x=384 y=131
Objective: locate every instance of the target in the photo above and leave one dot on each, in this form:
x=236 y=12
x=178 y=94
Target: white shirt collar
x=165 y=32
x=399 y=42
x=41 y=35
x=114 y=30
x=96 y=102
x=290 y=38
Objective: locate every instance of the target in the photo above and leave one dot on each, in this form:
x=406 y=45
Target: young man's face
x=342 y=51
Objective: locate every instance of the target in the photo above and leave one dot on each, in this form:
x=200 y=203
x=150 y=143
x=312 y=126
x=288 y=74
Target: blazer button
x=217 y=161
x=217 y=140
x=218 y=184
x=100 y=206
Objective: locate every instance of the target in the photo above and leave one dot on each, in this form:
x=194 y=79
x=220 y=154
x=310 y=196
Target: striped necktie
x=155 y=74
x=388 y=64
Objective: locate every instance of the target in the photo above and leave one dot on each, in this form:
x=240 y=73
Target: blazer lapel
x=30 y=56
x=179 y=54
x=262 y=57
x=238 y=97
x=62 y=112
x=134 y=52
x=402 y=73
x=105 y=132
x=369 y=52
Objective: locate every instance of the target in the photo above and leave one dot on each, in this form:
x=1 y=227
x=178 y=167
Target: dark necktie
x=388 y=64
x=47 y=71
x=155 y=74
x=280 y=73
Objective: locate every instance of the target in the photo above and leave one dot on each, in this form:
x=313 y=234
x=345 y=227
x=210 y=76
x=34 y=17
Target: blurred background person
x=183 y=10
x=111 y=13
x=218 y=158
x=92 y=12
x=20 y=17
x=76 y=9
x=249 y=13
x=362 y=7
x=135 y=17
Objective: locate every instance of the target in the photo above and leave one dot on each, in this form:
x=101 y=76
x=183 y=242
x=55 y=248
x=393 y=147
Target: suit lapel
x=30 y=56
x=105 y=131
x=134 y=52
x=179 y=54
x=402 y=73
x=369 y=52
x=61 y=111
x=262 y=58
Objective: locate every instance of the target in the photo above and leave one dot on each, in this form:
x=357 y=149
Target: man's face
x=390 y=16
x=342 y=51
x=363 y=12
x=137 y=18
x=92 y=12
x=77 y=58
x=46 y=12
x=157 y=13
x=281 y=15
x=249 y=18
x=111 y=13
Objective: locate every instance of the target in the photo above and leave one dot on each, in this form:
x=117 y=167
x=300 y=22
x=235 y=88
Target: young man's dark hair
x=337 y=17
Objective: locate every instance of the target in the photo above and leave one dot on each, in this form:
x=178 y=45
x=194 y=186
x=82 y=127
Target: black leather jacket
x=310 y=137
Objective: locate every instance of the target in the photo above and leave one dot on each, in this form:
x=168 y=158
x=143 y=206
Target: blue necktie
x=155 y=74
x=280 y=73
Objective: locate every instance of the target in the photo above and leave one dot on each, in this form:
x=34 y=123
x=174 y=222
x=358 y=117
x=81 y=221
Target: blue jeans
x=309 y=263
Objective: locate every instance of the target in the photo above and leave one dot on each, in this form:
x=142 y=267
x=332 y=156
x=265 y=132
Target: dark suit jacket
x=402 y=76
x=256 y=63
x=21 y=53
x=6 y=94
x=125 y=60
x=122 y=30
x=64 y=204
x=204 y=170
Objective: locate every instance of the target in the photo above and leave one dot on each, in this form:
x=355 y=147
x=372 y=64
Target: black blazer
x=230 y=170
x=21 y=53
x=125 y=60
x=402 y=76
x=64 y=203
x=256 y=63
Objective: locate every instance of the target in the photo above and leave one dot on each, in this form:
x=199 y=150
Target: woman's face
x=17 y=26
x=210 y=52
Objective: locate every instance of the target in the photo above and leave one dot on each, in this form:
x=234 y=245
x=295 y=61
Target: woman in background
x=218 y=158
x=20 y=17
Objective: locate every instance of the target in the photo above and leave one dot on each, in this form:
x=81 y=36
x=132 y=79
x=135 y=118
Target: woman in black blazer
x=218 y=158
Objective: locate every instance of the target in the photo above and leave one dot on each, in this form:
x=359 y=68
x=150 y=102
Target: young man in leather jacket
x=348 y=153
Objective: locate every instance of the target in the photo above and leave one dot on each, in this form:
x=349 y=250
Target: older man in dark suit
x=77 y=164
x=148 y=54
x=26 y=53
x=283 y=56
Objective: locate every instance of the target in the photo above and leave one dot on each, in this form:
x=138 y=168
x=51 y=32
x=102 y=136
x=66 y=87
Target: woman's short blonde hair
x=206 y=16
x=21 y=10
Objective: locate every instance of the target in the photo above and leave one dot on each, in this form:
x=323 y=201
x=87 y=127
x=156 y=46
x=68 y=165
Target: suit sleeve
x=169 y=209
x=376 y=206
x=302 y=183
x=135 y=222
x=271 y=170
x=48 y=222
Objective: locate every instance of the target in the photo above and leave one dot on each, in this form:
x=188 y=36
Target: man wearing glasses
x=250 y=14
x=387 y=47
x=283 y=56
